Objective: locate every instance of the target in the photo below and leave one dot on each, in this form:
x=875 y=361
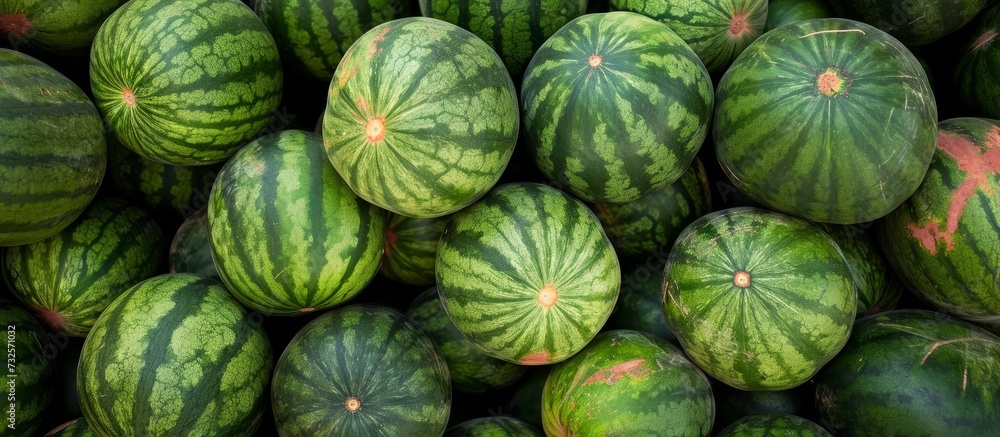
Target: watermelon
x=471 y=370
x=627 y=383
x=912 y=22
x=361 y=370
x=717 y=30
x=913 y=372
x=28 y=371
x=514 y=28
x=191 y=250
x=640 y=301
x=758 y=299
x=878 y=286
x=176 y=80
x=288 y=236
x=174 y=355
x=943 y=240
x=782 y=12
x=433 y=136
x=73 y=428
x=525 y=401
x=615 y=107
x=59 y=27
x=313 y=35
x=493 y=427
x=68 y=279
x=828 y=119
x=52 y=150
x=774 y=424
x=654 y=220
x=527 y=274
x=976 y=75
x=733 y=404
x=410 y=248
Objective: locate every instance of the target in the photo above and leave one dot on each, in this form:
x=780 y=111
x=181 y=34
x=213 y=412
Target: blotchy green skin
x=288 y=235
x=913 y=372
x=191 y=249
x=59 y=27
x=776 y=327
x=447 y=117
x=976 y=75
x=654 y=220
x=843 y=158
x=35 y=372
x=410 y=248
x=912 y=22
x=73 y=428
x=943 y=240
x=879 y=289
x=52 y=150
x=630 y=125
x=782 y=12
x=373 y=354
x=496 y=258
x=71 y=277
x=313 y=35
x=785 y=425
x=204 y=74
x=717 y=30
x=175 y=355
x=513 y=28
x=498 y=426
x=627 y=383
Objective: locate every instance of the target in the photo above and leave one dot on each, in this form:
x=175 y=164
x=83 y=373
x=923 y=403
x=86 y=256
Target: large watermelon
x=977 y=73
x=615 y=106
x=627 y=383
x=785 y=425
x=70 y=278
x=527 y=274
x=944 y=239
x=913 y=22
x=913 y=372
x=717 y=30
x=758 y=299
x=410 y=248
x=28 y=371
x=498 y=426
x=433 y=135
x=60 y=27
x=174 y=355
x=185 y=82
x=52 y=150
x=829 y=119
x=361 y=370
x=782 y=12
x=288 y=236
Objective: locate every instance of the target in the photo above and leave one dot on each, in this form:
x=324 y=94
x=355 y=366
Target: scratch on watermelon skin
x=984 y=39
x=612 y=374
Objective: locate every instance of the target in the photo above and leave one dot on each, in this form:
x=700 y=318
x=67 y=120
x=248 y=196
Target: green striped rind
x=793 y=149
x=200 y=92
x=288 y=236
x=191 y=249
x=59 y=27
x=943 y=240
x=32 y=386
x=627 y=383
x=640 y=301
x=782 y=12
x=449 y=115
x=373 y=354
x=498 y=426
x=625 y=128
x=977 y=74
x=471 y=370
x=878 y=287
x=733 y=404
x=654 y=220
x=70 y=278
x=498 y=255
x=514 y=29
x=52 y=150
x=785 y=425
x=912 y=372
x=73 y=428
x=913 y=22
x=175 y=355
x=774 y=331
x=411 y=246
x=313 y=35
x=161 y=188
x=717 y=30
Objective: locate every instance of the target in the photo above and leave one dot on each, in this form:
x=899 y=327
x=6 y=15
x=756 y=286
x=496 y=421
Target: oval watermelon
x=191 y=248
x=59 y=27
x=28 y=371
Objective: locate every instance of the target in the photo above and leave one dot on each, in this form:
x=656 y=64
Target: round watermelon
x=913 y=22
x=774 y=424
x=191 y=248
x=435 y=134
x=831 y=120
x=28 y=371
x=609 y=118
x=976 y=76
x=59 y=27
x=493 y=427
x=410 y=248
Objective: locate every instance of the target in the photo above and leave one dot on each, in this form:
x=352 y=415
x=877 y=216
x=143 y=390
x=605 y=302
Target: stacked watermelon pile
x=480 y=218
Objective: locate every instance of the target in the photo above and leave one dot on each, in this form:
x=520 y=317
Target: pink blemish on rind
x=984 y=39
x=739 y=25
x=17 y=25
x=537 y=358
x=51 y=318
x=611 y=375
x=373 y=48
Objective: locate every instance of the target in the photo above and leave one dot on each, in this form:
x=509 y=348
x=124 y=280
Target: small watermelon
x=58 y=27
x=640 y=301
x=977 y=73
x=191 y=248
x=493 y=427
x=732 y=404
x=411 y=246
x=782 y=12
x=878 y=286
x=73 y=428
x=774 y=424
x=28 y=371
x=912 y=22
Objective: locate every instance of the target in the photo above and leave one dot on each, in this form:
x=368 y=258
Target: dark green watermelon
x=361 y=370
x=28 y=372
x=912 y=22
x=410 y=248
x=59 y=27
x=191 y=248
x=977 y=74
x=878 y=286
x=782 y=12
x=640 y=301
x=732 y=404
x=73 y=428
x=525 y=402
x=785 y=425
x=498 y=426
